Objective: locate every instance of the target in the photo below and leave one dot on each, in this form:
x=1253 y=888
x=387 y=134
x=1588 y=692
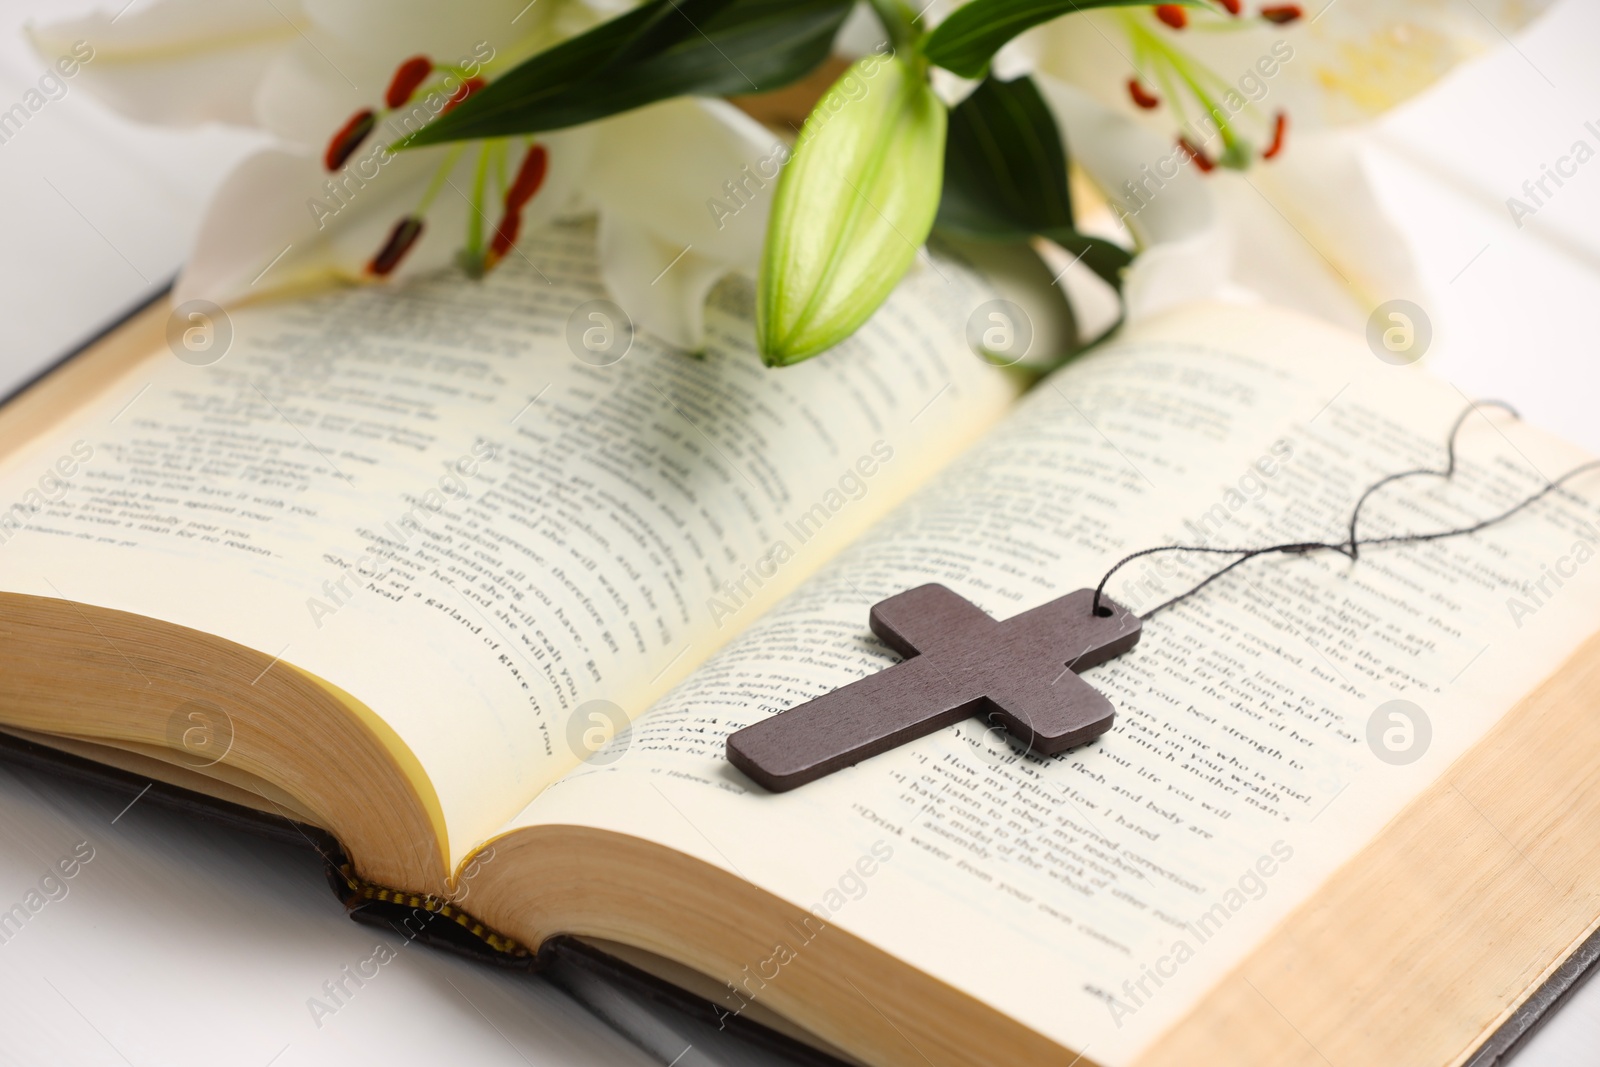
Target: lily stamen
x=401 y=238
x=348 y=138
x=1173 y=15
x=1141 y=96
x=408 y=231
x=407 y=77
x=1279 y=126
x=1182 y=79
x=530 y=176
x=1282 y=14
x=414 y=76
x=1199 y=158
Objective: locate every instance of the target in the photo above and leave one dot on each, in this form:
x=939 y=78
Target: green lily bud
x=852 y=208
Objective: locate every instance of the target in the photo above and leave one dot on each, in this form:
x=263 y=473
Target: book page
x=501 y=538
x=1095 y=895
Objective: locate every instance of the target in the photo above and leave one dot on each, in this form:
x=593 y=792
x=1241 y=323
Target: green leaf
x=1105 y=258
x=659 y=50
x=1005 y=176
x=1005 y=179
x=853 y=206
x=1005 y=170
x=665 y=25
x=966 y=41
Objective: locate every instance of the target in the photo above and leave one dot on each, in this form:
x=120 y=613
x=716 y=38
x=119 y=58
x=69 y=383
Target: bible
x=403 y=572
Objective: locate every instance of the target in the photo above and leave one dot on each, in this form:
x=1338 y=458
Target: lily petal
x=315 y=84
x=1314 y=235
x=261 y=232
x=349 y=50
x=178 y=62
x=1355 y=60
x=658 y=202
x=662 y=287
x=1367 y=56
x=715 y=197
x=400 y=28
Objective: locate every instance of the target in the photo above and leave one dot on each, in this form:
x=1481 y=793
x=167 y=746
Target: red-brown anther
x=1173 y=15
x=407 y=76
x=1142 y=96
x=1281 y=13
x=401 y=238
x=505 y=235
x=468 y=87
x=1198 y=157
x=1233 y=6
x=1280 y=126
x=530 y=176
x=349 y=138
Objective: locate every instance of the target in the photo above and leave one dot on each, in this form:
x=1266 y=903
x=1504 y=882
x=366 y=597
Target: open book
x=400 y=566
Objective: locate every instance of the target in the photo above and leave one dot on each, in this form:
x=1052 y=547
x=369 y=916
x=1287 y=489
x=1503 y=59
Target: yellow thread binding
x=365 y=890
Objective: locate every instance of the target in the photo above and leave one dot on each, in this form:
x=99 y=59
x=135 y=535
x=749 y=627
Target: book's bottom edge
x=1513 y=1035
x=643 y=1007
x=608 y=986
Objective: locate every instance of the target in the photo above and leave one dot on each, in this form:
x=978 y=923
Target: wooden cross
x=959 y=662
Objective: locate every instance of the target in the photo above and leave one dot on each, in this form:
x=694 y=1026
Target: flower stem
x=475 y=217
x=899 y=21
x=438 y=179
x=500 y=183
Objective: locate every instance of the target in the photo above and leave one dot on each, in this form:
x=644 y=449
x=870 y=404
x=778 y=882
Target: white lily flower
x=1280 y=90
x=339 y=81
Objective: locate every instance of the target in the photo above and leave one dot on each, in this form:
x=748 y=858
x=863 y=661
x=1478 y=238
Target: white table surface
x=179 y=943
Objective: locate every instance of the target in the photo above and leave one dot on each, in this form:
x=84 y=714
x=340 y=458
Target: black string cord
x=1352 y=546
